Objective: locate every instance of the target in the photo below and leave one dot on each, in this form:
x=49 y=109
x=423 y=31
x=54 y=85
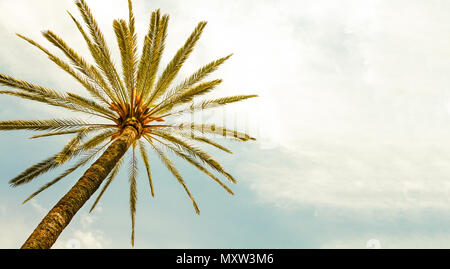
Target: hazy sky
x=352 y=125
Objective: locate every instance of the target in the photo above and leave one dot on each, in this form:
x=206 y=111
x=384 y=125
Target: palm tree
x=134 y=110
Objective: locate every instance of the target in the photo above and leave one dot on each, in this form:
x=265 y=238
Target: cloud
x=85 y=236
x=353 y=173
x=15 y=229
x=82 y=239
x=39 y=209
x=90 y=240
x=360 y=98
x=86 y=220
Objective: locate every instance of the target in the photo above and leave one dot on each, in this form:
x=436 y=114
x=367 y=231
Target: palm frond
x=34 y=97
x=146 y=56
x=34 y=171
x=144 y=155
x=142 y=68
x=102 y=55
x=55 y=161
x=58 y=102
x=207 y=104
x=44 y=125
x=58 y=133
x=64 y=66
x=156 y=49
x=71 y=147
x=194 y=151
x=171 y=167
x=185 y=96
x=214 y=130
x=80 y=63
x=41 y=94
x=206 y=141
x=89 y=156
x=96 y=54
x=98 y=139
x=200 y=74
x=133 y=192
x=133 y=41
x=128 y=54
x=131 y=19
x=147 y=51
x=28 y=87
x=177 y=62
x=91 y=105
x=195 y=163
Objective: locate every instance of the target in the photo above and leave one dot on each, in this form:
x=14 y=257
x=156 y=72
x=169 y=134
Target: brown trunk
x=46 y=233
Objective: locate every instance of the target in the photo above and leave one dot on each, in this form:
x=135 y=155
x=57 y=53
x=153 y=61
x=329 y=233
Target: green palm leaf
x=44 y=125
x=206 y=141
x=81 y=64
x=185 y=96
x=194 y=151
x=35 y=171
x=174 y=66
x=127 y=52
x=144 y=155
x=70 y=148
x=196 y=164
x=98 y=139
x=100 y=62
x=198 y=75
x=133 y=192
x=59 y=133
x=207 y=104
x=89 y=156
x=102 y=54
x=154 y=56
x=214 y=130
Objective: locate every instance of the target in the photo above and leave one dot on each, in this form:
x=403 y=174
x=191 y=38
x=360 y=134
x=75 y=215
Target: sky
x=351 y=122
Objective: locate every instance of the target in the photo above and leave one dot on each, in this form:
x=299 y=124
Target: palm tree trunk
x=46 y=233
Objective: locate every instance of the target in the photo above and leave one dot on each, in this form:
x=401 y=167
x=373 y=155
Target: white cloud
x=86 y=220
x=90 y=239
x=84 y=236
x=360 y=90
x=361 y=173
x=14 y=230
x=83 y=239
x=37 y=207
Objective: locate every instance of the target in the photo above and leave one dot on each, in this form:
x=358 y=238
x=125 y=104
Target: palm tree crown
x=138 y=98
